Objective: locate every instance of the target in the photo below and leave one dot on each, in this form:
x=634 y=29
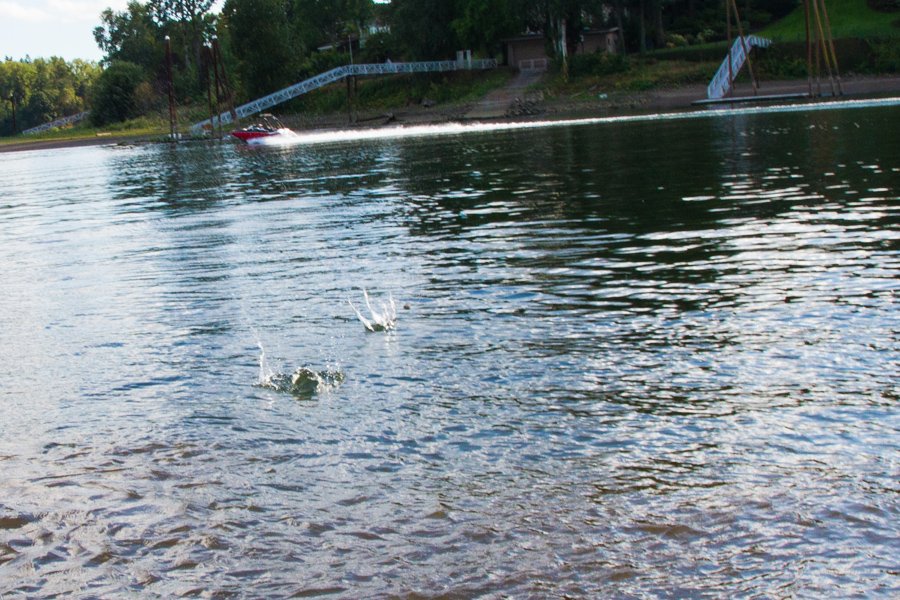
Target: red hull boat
x=261 y=132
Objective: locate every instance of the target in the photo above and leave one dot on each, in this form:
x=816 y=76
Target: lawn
x=848 y=18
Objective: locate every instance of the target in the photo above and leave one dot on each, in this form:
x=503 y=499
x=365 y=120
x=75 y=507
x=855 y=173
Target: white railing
x=337 y=74
x=57 y=123
x=722 y=82
x=536 y=64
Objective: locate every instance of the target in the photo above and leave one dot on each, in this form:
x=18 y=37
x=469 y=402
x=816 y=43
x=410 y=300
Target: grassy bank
x=848 y=19
x=399 y=91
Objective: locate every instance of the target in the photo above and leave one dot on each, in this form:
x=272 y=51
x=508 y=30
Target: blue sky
x=45 y=28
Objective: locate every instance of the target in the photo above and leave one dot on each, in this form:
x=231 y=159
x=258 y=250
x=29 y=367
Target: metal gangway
x=57 y=123
x=737 y=56
x=388 y=68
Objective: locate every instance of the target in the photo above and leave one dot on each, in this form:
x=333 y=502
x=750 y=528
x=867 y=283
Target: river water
x=631 y=359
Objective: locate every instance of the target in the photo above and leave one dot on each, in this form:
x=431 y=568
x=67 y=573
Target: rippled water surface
x=653 y=359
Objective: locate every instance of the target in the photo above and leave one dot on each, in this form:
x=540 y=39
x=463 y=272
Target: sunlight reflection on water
x=640 y=359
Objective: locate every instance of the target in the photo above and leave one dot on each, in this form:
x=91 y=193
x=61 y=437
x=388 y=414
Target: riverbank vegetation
x=266 y=45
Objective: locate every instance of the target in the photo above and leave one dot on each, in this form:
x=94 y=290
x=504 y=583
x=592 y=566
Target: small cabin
x=529 y=52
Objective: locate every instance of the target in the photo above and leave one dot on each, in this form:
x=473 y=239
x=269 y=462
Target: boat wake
x=409 y=131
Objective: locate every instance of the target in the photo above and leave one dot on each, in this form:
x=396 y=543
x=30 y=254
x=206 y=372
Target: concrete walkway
x=497 y=104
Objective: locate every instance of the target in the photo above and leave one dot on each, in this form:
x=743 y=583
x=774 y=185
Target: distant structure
x=57 y=123
x=464 y=61
x=528 y=52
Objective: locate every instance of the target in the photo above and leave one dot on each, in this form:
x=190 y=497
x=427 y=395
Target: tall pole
x=206 y=54
x=831 y=45
x=808 y=49
x=224 y=81
x=349 y=102
x=737 y=18
x=216 y=87
x=15 y=128
x=824 y=48
x=728 y=28
x=173 y=125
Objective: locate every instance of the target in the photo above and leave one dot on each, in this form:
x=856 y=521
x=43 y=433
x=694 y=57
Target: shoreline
x=526 y=106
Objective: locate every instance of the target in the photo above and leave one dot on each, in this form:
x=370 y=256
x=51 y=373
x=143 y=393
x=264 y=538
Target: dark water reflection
x=633 y=360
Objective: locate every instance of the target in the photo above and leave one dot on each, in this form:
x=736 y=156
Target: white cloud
x=17 y=12
x=82 y=10
x=58 y=11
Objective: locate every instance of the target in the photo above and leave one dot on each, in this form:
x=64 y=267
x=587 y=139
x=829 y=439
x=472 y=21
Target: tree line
x=34 y=92
x=269 y=44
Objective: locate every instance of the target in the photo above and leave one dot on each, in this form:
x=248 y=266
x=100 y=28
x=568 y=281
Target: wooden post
x=206 y=55
x=12 y=99
x=349 y=103
x=173 y=125
x=737 y=18
x=728 y=29
x=808 y=49
x=824 y=48
x=831 y=45
x=226 y=89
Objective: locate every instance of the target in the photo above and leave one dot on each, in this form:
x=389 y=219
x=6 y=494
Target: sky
x=45 y=28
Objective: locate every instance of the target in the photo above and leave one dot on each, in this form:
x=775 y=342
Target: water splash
x=382 y=320
x=303 y=383
x=265 y=372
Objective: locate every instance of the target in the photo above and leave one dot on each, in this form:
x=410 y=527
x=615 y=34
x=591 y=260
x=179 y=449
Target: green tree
x=326 y=21
x=114 y=93
x=425 y=28
x=15 y=88
x=131 y=36
x=188 y=21
x=260 y=37
x=481 y=24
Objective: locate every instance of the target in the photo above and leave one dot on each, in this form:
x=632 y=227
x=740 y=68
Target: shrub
x=380 y=47
x=597 y=63
x=886 y=55
x=113 y=96
x=888 y=6
x=673 y=39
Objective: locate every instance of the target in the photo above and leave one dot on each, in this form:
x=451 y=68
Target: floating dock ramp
x=57 y=123
x=337 y=74
x=737 y=56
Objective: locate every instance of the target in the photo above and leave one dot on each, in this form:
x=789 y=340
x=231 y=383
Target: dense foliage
x=34 y=92
x=268 y=44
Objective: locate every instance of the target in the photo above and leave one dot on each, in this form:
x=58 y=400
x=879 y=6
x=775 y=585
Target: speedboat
x=267 y=131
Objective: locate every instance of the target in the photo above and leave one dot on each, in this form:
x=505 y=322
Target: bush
x=886 y=55
x=673 y=39
x=597 y=63
x=380 y=47
x=888 y=6
x=113 y=96
x=320 y=62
